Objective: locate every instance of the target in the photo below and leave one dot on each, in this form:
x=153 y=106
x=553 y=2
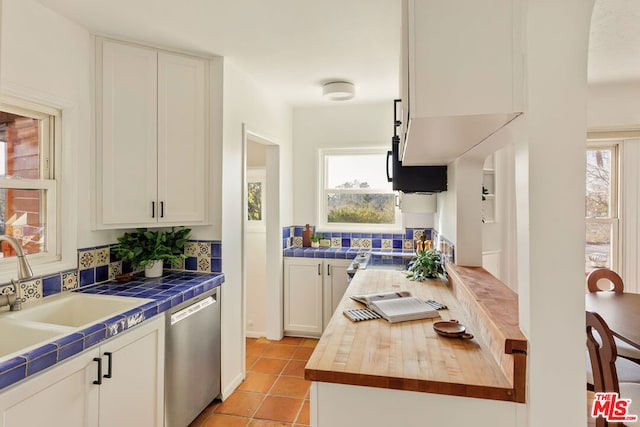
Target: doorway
x=262 y=238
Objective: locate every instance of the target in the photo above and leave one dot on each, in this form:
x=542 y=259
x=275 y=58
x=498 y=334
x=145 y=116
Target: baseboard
x=254 y=334
x=231 y=387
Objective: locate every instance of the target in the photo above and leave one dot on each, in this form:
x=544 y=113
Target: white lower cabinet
x=313 y=288
x=130 y=394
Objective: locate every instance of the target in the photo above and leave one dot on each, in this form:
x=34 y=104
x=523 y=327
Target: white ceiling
x=293 y=46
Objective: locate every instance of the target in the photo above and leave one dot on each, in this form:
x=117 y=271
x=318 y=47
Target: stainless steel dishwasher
x=192 y=358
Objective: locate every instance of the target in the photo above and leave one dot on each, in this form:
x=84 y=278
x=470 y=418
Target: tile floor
x=274 y=394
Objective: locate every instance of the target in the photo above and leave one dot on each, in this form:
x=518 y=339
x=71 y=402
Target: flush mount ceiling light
x=338 y=91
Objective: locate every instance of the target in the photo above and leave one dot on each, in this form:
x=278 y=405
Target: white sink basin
x=77 y=310
x=20 y=337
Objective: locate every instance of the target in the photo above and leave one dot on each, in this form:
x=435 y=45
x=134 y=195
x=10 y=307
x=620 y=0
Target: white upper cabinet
x=461 y=75
x=151 y=137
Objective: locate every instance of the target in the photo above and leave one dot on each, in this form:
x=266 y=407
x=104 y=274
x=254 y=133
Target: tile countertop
x=343 y=253
x=167 y=291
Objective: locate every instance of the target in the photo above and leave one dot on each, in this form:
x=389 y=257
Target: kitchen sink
x=19 y=337
x=77 y=310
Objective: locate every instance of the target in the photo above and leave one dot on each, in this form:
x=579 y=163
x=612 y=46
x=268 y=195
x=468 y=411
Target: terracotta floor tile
x=199 y=421
x=240 y=403
x=217 y=420
x=263 y=340
x=289 y=341
x=302 y=353
x=310 y=342
x=280 y=351
x=269 y=366
x=277 y=408
x=295 y=368
x=250 y=341
x=256 y=349
x=290 y=387
x=303 y=418
x=257 y=382
x=250 y=361
x=267 y=423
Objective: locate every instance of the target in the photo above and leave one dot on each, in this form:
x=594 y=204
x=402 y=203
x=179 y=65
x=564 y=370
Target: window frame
x=323 y=191
x=615 y=208
x=50 y=130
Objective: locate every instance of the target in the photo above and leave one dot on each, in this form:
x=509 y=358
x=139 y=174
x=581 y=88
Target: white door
x=127 y=133
x=303 y=296
x=181 y=138
x=64 y=396
x=134 y=394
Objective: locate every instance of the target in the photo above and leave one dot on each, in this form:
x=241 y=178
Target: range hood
x=413 y=179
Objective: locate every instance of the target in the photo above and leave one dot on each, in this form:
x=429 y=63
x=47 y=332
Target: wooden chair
x=615 y=285
x=602 y=357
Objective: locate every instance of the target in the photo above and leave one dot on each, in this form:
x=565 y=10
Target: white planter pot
x=315 y=244
x=154 y=269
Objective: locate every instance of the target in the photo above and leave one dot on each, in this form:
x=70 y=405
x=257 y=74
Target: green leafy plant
x=426 y=265
x=316 y=237
x=143 y=246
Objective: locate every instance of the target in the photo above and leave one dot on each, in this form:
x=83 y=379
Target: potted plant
x=426 y=265
x=149 y=249
x=315 y=240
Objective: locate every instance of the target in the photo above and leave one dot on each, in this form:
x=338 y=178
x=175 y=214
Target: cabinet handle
x=319 y=270
x=99 y=360
x=328 y=269
x=161 y=209
x=109 y=368
x=153 y=209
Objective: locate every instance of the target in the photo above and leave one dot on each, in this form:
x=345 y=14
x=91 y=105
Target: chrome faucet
x=24 y=272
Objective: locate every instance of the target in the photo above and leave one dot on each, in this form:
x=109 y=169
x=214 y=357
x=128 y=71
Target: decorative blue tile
x=376 y=236
x=408 y=233
x=356 y=235
x=216 y=250
x=398 y=236
x=42 y=362
x=297 y=231
x=51 y=285
x=216 y=265
x=191 y=263
x=87 y=277
x=71 y=349
x=346 y=243
x=427 y=233
x=397 y=243
x=13 y=375
x=376 y=243
x=286 y=232
x=176 y=300
x=96 y=337
x=102 y=274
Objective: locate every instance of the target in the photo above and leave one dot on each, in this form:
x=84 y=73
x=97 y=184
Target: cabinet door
x=181 y=139
x=336 y=282
x=126 y=157
x=303 y=296
x=133 y=396
x=63 y=396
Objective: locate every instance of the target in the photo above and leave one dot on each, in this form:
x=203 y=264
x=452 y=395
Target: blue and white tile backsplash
x=97 y=264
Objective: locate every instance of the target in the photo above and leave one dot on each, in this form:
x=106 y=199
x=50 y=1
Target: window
x=601 y=207
x=354 y=192
x=256 y=192
x=27 y=180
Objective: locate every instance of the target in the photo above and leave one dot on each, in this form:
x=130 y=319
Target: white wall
x=336 y=126
x=614 y=106
x=245 y=102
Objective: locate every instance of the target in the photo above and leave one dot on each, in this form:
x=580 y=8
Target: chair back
x=602 y=354
x=615 y=281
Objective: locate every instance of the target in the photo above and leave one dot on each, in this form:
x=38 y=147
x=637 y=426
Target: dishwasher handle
x=186 y=312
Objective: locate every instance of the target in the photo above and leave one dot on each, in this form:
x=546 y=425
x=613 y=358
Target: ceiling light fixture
x=338 y=91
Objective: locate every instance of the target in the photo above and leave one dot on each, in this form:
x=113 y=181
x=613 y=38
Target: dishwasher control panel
x=192 y=309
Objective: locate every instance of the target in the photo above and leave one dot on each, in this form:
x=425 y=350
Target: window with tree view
x=601 y=207
x=355 y=190
x=27 y=187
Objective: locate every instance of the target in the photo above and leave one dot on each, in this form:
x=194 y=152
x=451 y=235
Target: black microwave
x=412 y=179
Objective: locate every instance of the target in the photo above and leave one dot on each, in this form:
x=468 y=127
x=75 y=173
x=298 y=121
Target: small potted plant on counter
x=315 y=240
x=426 y=265
x=149 y=249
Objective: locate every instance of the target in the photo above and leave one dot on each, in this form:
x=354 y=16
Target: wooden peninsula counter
x=378 y=374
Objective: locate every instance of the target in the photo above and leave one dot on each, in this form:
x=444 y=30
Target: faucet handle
x=16 y=305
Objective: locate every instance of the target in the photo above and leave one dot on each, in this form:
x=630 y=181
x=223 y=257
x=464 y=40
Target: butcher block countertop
x=410 y=355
